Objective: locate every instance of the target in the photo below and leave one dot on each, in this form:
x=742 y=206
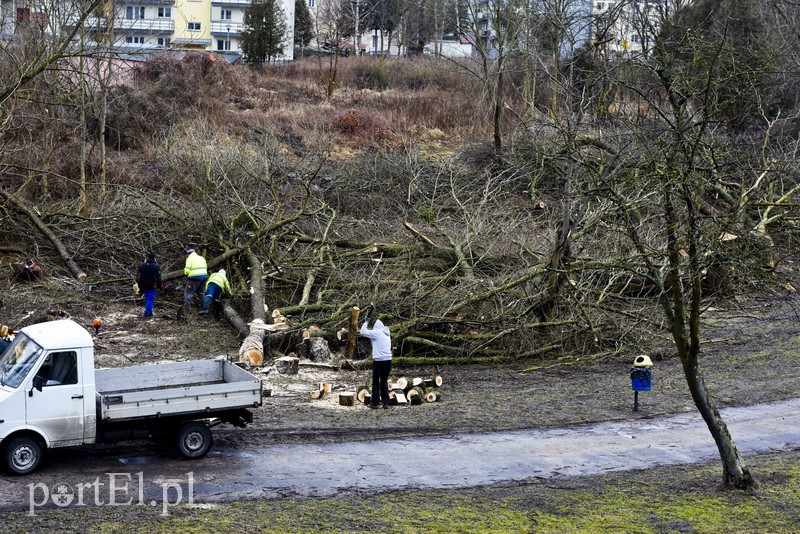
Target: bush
x=370 y=74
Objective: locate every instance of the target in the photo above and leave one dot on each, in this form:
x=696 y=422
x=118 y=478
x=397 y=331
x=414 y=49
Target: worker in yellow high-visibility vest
x=196 y=271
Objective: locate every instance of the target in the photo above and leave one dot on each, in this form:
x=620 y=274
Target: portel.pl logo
x=112 y=489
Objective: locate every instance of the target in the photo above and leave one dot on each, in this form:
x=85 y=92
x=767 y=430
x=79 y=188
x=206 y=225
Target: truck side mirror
x=38 y=382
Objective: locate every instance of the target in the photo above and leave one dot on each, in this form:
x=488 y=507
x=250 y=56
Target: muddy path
x=145 y=477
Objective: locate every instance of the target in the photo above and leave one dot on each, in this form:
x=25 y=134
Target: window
x=194 y=27
x=225 y=14
x=17 y=361
x=165 y=12
x=311 y=3
x=133 y=13
x=163 y=41
x=58 y=369
x=223 y=45
x=134 y=39
x=599 y=6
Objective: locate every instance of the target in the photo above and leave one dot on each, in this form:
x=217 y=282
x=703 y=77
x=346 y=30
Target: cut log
x=252 y=357
x=417 y=381
x=325 y=387
x=346 y=399
x=435 y=382
x=287 y=365
x=414 y=397
x=312 y=331
x=362 y=394
x=318 y=394
x=401 y=397
x=402 y=383
x=419 y=391
x=367 y=398
x=433 y=396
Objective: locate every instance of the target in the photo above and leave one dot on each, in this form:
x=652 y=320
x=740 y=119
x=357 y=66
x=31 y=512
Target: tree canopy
x=264 y=32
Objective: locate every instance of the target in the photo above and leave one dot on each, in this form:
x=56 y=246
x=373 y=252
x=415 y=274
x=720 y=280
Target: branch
x=48 y=233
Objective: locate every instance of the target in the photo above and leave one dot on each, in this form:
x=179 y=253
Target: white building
x=147 y=25
x=629 y=26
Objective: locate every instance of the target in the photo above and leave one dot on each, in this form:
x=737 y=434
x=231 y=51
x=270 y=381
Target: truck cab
x=47 y=385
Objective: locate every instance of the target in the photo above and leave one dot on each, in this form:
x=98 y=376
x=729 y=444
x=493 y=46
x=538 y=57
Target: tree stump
x=316 y=349
x=346 y=399
x=287 y=365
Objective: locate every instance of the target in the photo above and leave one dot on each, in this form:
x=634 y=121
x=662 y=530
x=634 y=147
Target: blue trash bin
x=641 y=379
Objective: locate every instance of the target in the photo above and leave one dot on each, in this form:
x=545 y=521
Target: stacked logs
x=405 y=391
x=345 y=399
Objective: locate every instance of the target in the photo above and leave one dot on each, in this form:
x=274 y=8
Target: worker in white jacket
x=381 y=340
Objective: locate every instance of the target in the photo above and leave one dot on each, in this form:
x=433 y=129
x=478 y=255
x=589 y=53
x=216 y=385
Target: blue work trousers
x=149 y=300
x=213 y=295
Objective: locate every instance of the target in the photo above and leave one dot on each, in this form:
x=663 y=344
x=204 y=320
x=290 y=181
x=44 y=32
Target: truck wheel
x=23 y=455
x=194 y=440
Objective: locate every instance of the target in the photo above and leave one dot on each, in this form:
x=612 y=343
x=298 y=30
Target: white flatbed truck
x=52 y=396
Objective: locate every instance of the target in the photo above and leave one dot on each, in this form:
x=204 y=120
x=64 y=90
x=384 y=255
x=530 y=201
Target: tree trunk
x=252 y=348
x=352 y=335
x=735 y=472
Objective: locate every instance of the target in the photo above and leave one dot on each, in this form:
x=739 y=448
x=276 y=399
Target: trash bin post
x=641 y=378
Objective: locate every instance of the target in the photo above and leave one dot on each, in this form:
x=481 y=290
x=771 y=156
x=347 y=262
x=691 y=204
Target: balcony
x=149 y=3
x=231 y=3
x=159 y=25
x=224 y=28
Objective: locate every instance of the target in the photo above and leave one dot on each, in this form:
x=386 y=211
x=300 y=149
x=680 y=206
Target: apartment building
x=148 y=25
x=629 y=26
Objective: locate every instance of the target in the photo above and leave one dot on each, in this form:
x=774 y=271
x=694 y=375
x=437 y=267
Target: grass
x=686 y=499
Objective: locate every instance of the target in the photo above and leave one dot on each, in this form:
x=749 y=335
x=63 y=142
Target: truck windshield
x=18 y=360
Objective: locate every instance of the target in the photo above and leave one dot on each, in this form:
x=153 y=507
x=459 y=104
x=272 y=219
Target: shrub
x=369 y=74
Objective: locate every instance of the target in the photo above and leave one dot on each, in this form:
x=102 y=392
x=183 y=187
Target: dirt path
x=465 y=460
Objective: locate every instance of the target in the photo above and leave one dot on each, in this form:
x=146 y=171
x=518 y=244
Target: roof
x=63 y=334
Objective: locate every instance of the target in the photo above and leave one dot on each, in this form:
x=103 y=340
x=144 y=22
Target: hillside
x=392 y=191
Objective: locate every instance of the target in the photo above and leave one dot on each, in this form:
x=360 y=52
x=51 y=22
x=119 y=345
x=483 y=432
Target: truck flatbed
x=173 y=388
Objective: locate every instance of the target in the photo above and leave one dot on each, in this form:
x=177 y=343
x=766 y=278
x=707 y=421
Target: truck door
x=55 y=401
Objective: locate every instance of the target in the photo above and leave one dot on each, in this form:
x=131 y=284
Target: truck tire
x=23 y=455
x=194 y=440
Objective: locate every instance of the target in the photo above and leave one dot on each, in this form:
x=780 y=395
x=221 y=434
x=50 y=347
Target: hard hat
x=222 y=272
x=643 y=360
